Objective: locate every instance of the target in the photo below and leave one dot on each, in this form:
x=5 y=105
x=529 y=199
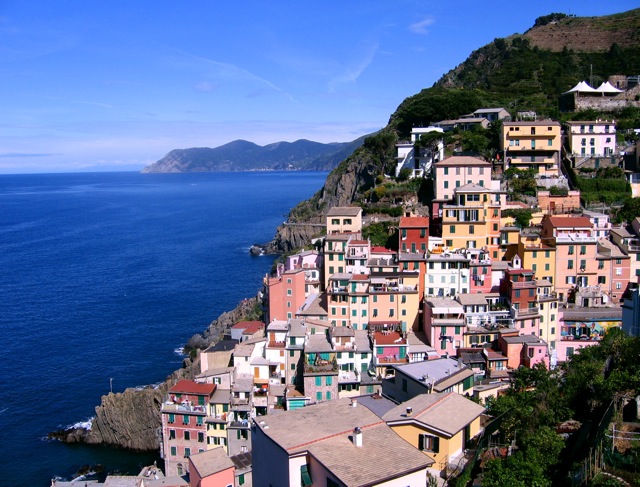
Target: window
x=328 y=380
x=429 y=443
x=602 y=279
x=305 y=478
x=446 y=184
x=187 y=435
x=570 y=249
x=618 y=271
x=200 y=437
x=174 y=451
x=172 y=417
x=328 y=395
x=319 y=396
x=185 y=419
x=618 y=285
x=570 y=264
x=318 y=381
x=172 y=434
x=452 y=229
x=583 y=249
x=187 y=452
x=446 y=171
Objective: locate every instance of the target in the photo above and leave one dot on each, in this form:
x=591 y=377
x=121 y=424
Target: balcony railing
x=523 y=284
x=516 y=313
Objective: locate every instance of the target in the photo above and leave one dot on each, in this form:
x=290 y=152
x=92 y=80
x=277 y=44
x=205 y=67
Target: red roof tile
x=189 y=387
x=570 y=221
x=388 y=338
x=414 y=222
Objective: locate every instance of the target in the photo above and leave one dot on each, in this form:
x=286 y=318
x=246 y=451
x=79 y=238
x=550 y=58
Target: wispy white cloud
x=204 y=86
x=351 y=73
x=422 y=27
x=230 y=72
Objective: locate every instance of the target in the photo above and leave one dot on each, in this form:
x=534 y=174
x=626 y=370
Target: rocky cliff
x=131 y=419
x=344 y=185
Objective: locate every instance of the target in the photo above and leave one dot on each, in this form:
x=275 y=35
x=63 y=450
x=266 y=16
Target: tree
x=630 y=210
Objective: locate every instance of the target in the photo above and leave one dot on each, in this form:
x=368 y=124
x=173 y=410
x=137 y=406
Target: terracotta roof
x=359 y=242
x=389 y=338
x=570 y=221
x=189 y=387
x=360 y=277
x=414 y=222
x=381 y=250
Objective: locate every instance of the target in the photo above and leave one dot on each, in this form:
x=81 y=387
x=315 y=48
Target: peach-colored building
x=532 y=145
x=212 y=468
x=554 y=204
x=311 y=261
x=576 y=252
x=525 y=350
x=344 y=219
x=472 y=219
x=285 y=294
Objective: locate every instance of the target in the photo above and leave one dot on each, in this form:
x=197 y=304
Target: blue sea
x=103 y=277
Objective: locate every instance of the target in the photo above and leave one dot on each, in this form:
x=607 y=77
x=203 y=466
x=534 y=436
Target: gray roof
x=466 y=299
x=344 y=211
x=220 y=396
x=362 y=341
x=446 y=412
x=325 y=431
x=523 y=339
x=592 y=314
x=211 y=461
x=315 y=305
x=278 y=325
x=318 y=343
x=297 y=328
x=435 y=370
x=341 y=331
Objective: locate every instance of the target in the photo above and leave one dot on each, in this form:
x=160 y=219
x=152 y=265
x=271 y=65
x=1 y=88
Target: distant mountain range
x=241 y=155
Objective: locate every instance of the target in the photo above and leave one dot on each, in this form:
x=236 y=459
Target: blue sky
x=97 y=85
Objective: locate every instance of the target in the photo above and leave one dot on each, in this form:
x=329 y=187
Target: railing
x=534 y=310
x=182 y=408
x=523 y=284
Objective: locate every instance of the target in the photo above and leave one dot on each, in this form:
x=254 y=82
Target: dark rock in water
x=256 y=250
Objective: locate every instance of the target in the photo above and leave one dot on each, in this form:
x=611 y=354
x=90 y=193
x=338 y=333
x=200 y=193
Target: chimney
x=354 y=402
x=357 y=437
x=409 y=411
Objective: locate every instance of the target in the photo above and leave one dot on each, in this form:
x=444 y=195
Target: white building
x=419 y=164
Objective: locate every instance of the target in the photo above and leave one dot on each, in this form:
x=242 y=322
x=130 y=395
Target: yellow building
x=532 y=145
x=438 y=424
x=472 y=220
x=537 y=256
x=218 y=419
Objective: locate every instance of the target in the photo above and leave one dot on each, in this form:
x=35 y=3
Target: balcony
x=393 y=289
x=530 y=311
x=172 y=407
x=523 y=284
x=391 y=359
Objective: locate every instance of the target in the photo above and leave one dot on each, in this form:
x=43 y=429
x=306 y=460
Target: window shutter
x=436 y=444
x=420 y=442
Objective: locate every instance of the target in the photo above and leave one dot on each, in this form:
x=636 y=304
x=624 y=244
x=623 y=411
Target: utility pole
x=111 y=385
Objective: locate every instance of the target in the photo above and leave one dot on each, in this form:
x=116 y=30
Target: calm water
x=104 y=276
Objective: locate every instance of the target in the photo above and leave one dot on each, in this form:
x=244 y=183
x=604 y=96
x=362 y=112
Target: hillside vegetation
x=517 y=73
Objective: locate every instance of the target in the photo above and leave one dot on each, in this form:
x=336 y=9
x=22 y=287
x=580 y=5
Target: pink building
x=457 y=171
x=576 y=252
x=390 y=346
x=479 y=271
x=184 y=429
x=211 y=468
x=444 y=325
x=614 y=268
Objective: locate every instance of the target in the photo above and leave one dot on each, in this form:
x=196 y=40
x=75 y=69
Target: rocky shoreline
x=131 y=419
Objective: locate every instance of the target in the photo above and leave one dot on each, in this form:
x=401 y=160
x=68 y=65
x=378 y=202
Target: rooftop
x=462 y=161
x=190 y=387
x=447 y=412
x=211 y=461
x=344 y=211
